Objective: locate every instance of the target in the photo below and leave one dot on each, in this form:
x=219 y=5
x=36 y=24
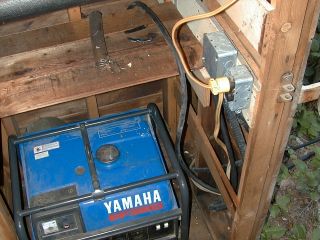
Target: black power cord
x=316 y=140
x=184 y=95
x=227 y=142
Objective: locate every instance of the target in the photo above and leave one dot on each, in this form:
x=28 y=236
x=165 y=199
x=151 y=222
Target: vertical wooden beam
x=170 y=105
x=7 y=128
x=74 y=14
x=7 y=230
x=284 y=50
x=92 y=107
x=308 y=30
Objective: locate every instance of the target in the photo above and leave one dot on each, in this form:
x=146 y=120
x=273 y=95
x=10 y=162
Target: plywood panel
x=249 y=16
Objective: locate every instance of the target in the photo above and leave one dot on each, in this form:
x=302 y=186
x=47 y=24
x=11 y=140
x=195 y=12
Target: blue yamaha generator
x=99 y=179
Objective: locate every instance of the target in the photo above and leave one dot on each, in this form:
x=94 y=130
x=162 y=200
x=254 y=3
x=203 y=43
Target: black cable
x=304 y=158
x=305 y=144
x=184 y=94
x=227 y=142
x=235 y=128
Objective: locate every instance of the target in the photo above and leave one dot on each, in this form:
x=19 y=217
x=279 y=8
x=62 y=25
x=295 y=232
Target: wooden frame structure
x=46 y=61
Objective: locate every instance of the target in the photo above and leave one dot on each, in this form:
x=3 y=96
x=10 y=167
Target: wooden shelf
x=310 y=93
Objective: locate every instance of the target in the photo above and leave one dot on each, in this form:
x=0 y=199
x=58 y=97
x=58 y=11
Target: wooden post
x=170 y=105
x=92 y=107
x=285 y=48
x=7 y=128
x=74 y=14
x=7 y=230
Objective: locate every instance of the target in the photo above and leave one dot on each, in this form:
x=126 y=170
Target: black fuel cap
x=107 y=153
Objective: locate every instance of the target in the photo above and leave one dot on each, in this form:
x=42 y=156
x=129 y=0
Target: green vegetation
x=312 y=73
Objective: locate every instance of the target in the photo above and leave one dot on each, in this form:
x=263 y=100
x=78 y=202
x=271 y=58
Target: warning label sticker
x=38 y=156
x=50 y=227
x=46 y=147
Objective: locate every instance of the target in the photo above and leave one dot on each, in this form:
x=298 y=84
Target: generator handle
x=16 y=192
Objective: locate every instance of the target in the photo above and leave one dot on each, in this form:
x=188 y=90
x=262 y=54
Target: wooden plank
x=126 y=94
x=6 y=130
x=33 y=23
x=310 y=93
x=74 y=14
x=198 y=28
x=130 y=104
x=106 y=7
x=68 y=112
x=92 y=107
x=170 y=105
x=111 y=7
x=212 y=161
x=7 y=229
x=218 y=223
x=248 y=55
x=47 y=77
x=77 y=110
x=308 y=30
x=263 y=158
x=251 y=24
x=77 y=30
x=198 y=228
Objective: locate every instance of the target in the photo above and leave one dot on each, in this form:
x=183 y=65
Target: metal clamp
x=287 y=89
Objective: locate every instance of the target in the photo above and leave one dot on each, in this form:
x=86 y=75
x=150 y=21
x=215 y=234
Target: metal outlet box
x=219 y=53
x=243 y=81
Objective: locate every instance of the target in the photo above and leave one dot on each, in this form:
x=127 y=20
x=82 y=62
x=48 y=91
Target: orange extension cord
x=175 y=31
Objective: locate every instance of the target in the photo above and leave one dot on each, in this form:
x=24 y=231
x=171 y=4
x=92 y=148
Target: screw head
x=286 y=27
x=287 y=77
x=80 y=170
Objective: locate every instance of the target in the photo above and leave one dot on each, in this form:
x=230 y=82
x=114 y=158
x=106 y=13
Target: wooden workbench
x=55 y=64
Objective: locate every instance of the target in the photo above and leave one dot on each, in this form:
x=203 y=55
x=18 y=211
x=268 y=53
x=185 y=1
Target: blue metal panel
x=50 y=163
x=57 y=169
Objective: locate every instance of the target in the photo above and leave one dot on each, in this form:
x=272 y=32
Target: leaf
x=316 y=150
x=299 y=231
x=284 y=173
x=291 y=151
x=311 y=178
x=315 y=162
x=313 y=132
x=264 y=236
x=300 y=165
x=314 y=196
x=309 y=72
x=315 y=54
x=275 y=232
x=315 y=234
x=315 y=46
x=283 y=202
x=274 y=211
